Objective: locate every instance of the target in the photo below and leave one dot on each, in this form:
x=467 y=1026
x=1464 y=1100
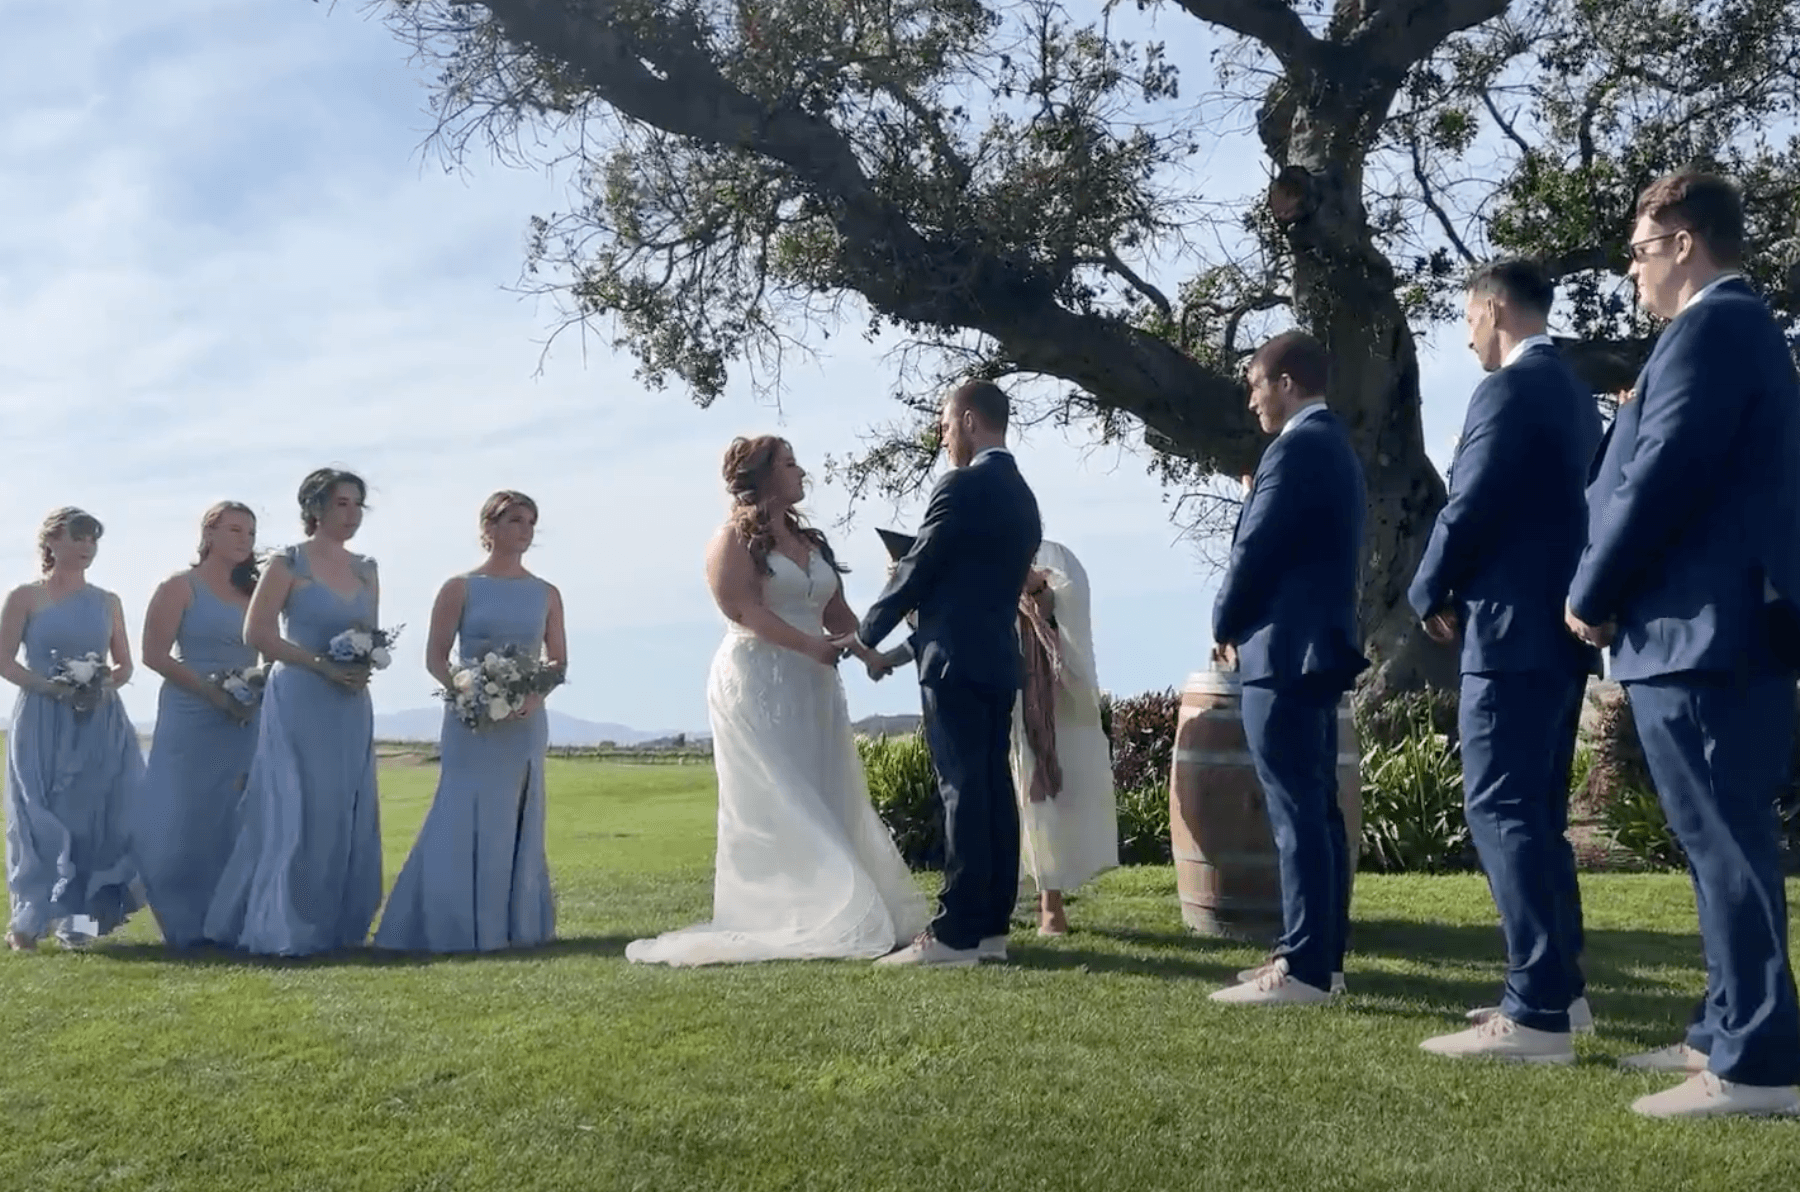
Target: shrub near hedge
x=903 y=787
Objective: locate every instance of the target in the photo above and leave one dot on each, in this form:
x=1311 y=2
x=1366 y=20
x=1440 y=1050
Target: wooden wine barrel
x=1225 y=870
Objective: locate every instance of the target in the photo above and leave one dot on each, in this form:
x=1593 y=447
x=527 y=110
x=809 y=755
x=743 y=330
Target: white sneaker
x=1498 y=1037
x=1706 y=1095
x=1581 y=1016
x=926 y=949
x=1677 y=1057
x=1251 y=974
x=992 y=948
x=1273 y=987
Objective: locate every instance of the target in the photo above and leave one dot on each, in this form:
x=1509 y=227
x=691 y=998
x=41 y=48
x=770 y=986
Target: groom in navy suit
x=1691 y=567
x=1495 y=570
x=963 y=576
x=1286 y=614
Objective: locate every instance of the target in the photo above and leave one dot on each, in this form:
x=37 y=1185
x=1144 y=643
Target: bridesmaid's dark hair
x=316 y=490
x=495 y=507
x=245 y=574
x=70 y=521
x=748 y=465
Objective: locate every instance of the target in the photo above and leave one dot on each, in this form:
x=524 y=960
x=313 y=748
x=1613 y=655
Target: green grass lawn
x=1090 y=1062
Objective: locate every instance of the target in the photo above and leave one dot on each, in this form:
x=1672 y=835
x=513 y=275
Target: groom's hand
x=851 y=644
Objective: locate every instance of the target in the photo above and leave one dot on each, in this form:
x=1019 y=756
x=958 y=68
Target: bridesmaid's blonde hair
x=245 y=574
x=70 y=522
x=495 y=507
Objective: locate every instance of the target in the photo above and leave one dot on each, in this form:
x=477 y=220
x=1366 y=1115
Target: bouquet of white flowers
x=363 y=647
x=243 y=684
x=86 y=675
x=495 y=686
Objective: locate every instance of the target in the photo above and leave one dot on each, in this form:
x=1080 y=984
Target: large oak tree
x=1012 y=185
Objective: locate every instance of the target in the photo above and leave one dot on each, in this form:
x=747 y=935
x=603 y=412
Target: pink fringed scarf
x=1039 y=643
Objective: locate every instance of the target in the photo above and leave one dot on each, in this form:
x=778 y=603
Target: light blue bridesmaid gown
x=477 y=878
x=186 y=821
x=70 y=778
x=305 y=875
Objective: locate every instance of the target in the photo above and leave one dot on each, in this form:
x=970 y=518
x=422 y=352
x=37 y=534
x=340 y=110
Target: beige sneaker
x=1251 y=974
x=1581 y=1016
x=1677 y=1057
x=1498 y=1037
x=926 y=949
x=992 y=948
x=1273 y=987
x=1705 y=1095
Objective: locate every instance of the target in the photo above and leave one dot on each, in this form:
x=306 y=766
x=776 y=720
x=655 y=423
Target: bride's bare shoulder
x=727 y=540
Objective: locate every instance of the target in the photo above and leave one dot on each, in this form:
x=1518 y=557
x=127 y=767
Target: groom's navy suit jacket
x=1694 y=501
x=1288 y=602
x=1506 y=543
x=963 y=575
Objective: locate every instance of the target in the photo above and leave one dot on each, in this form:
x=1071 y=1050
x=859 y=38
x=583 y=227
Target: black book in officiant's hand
x=897 y=544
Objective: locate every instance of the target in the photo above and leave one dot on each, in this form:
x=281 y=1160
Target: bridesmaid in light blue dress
x=71 y=771
x=477 y=879
x=305 y=875
x=186 y=821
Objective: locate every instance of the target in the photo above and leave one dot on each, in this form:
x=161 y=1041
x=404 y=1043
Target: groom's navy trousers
x=969 y=730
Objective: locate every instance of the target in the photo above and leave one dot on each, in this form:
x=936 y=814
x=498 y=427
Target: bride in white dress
x=805 y=869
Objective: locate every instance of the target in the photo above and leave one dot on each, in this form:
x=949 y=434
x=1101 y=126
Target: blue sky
x=226 y=259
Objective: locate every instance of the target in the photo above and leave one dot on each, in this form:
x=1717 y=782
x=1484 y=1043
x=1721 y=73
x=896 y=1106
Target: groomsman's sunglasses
x=1637 y=246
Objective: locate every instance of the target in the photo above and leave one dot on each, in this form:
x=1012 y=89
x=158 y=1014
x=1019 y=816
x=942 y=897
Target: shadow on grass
x=212 y=956
x=1631 y=1006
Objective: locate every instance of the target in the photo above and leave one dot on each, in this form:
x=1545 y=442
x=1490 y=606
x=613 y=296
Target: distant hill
x=423 y=724
x=887 y=726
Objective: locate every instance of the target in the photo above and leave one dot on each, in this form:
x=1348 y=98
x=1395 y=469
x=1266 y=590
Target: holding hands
x=880 y=665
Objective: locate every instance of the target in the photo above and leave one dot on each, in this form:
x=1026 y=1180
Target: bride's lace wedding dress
x=805 y=869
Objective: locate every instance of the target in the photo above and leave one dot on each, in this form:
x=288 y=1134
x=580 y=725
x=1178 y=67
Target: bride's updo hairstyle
x=748 y=465
x=496 y=507
x=316 y=490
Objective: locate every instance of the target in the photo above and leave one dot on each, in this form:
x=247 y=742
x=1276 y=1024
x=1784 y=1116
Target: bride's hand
x=823 y=651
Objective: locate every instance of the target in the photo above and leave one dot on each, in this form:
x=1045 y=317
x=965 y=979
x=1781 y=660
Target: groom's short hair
x=987 y=400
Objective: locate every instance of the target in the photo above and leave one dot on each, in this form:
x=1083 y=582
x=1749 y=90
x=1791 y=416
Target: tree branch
x=1429 y=198
x=1506 y=126
x=1578 y=260
x=1403 y=33
x=659 y=73
x=1606 y=365
x=1109 y=260
x=1272 y=23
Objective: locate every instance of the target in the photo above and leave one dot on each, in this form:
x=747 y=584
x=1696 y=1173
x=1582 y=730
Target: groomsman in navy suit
x=1287 y=615
x=1496 y=569
x=1692 y=561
